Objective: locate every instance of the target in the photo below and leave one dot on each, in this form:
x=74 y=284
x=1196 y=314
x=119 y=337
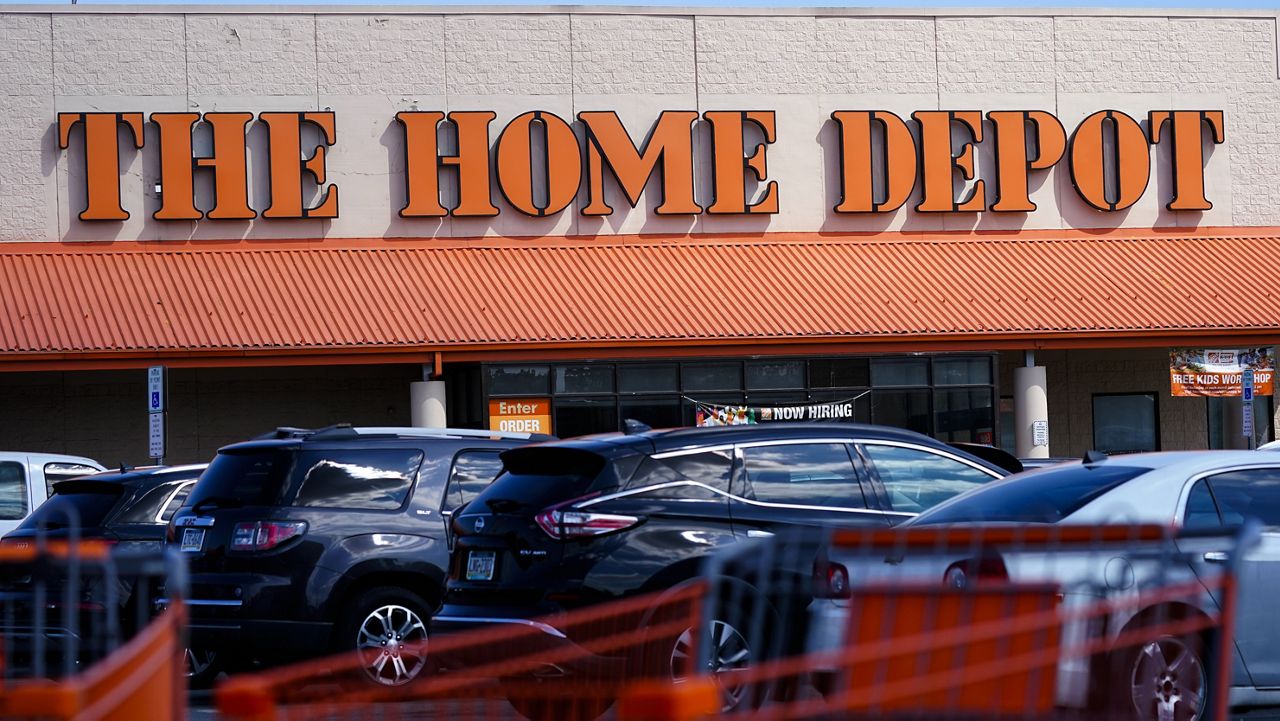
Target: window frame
x=1155 y=405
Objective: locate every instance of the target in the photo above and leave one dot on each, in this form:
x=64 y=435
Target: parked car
x=1193 y=490
x=584 y=521
x=27 y=479
x=129 y=509
x=307 y=542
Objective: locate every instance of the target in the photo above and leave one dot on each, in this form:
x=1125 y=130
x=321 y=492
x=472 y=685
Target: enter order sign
x=520 y=415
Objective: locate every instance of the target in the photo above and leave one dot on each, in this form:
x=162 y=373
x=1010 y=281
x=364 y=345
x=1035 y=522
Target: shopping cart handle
x=1216 y=557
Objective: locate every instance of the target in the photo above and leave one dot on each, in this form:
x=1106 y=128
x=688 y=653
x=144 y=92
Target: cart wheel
x=202 y=667
x=1161 y=680
x=557 y=704
x=387 y=629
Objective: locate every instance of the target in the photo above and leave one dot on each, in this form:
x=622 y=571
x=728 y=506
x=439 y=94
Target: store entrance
x=1226 y=422
x=950 y=397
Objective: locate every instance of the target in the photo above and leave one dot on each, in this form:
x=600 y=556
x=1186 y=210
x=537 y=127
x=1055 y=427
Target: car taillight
x=265 y=535
x=563 y=524
x=831 y=580
x=963 y=574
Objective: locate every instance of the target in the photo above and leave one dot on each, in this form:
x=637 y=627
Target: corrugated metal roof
x=442 y=295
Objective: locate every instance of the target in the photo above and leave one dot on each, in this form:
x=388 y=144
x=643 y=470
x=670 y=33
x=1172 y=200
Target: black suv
x=126 y=509
x=583 y=521
x=305 y=542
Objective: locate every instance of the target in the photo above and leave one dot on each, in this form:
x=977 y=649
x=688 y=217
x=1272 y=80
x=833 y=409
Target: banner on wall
x=520 y=415
x=713 y=414
x=1216 y=372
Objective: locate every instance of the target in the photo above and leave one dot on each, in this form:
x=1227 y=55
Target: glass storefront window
x=655 y=411
x=711 y=376
x=899 y=371
x=901 y=408
x=580 y=416
x=962 y=371
x=584 y=379
x=769 y=375
x=1125 y=423
x=648 y=378
x=519 y=380
x=964 y=416
x=839 y=372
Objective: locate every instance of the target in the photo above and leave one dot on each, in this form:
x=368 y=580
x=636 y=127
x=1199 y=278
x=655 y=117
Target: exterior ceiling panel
x=353 y=296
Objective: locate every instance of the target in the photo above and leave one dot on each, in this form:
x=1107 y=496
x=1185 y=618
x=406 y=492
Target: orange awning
x=237 y=302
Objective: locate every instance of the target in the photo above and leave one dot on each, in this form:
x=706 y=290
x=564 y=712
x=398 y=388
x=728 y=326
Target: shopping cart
x=81 y=635
x=1012 y=622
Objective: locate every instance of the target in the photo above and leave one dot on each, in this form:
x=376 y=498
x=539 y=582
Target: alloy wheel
x=1168 y=682
x=392 y=645
x=198 y=661
x=730 y=654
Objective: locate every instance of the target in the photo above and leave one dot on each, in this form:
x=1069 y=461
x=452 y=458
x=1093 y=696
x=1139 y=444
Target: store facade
x=988 y=227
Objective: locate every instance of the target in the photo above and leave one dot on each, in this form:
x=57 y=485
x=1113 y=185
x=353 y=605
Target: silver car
x=1192 y=490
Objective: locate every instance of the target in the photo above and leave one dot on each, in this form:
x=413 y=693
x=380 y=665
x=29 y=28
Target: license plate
x=480 y=565
x=192 y=539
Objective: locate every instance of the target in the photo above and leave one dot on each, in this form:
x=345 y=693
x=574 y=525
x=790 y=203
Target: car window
x=55 y=473
x=689 y=476
x=176 y=502
x=917 y=480
x=1043 y=496
x=13 y=491
x=810 y=474
x=358 y=479
x=1249 y=493
x=1201 y=511
x=146 y=507
x=84 y=505
x=472 y=472
x=253 y=478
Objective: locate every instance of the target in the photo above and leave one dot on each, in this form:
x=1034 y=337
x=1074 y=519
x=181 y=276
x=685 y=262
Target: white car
x=1204 y=491
x=27 y=479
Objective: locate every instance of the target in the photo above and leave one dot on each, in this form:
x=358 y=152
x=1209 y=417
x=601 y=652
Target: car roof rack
x=414 y=432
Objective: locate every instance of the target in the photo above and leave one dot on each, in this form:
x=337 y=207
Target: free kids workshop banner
x=1217 y=372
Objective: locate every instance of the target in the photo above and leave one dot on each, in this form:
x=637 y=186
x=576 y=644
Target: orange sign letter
x=1185 y=129
x=422 y=154
x=101 y=158
x=939 y=161
x=1131 y=160
x=727 y=130
x=1012 y=163
x=670 y=141
x=562 y=167
x=286 y=164
x=858 y=174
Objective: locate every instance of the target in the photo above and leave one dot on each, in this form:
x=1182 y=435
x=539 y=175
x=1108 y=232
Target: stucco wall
x=368 y=66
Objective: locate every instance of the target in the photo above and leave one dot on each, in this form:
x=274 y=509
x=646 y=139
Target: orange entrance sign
x=520 y=415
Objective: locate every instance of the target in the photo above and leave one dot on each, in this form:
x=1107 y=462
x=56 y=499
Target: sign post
x=1246 y=396
x=156 y=412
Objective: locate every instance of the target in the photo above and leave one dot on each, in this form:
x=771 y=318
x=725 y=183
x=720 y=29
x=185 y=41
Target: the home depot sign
x=542 y=163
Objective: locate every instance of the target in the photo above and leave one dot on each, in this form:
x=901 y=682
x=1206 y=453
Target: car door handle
x=1216 y=557
x=756 y=533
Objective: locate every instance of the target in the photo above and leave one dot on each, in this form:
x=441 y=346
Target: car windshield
x=254 y=478
x=1045 y=496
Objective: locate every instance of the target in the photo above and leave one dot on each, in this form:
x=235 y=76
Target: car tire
x=671 y=657
x=1166 y=671
x=386 y=628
